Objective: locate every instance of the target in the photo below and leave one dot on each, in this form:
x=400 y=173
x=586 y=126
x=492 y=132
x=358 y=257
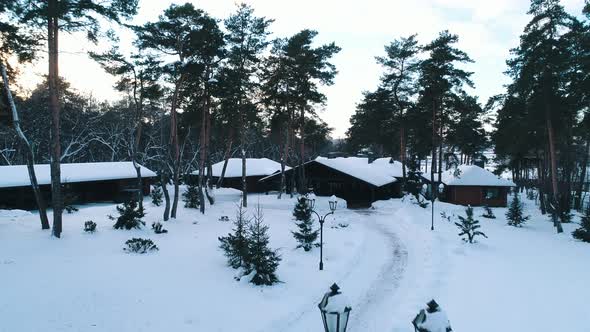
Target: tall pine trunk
x=303 y=184
x=202 y=153
x=402 y=155
x=553 y=160
x=226 y=157
x=164 y=182
x=283 y=184
x=244 y=183
x=578 y=203
x=175 y=145
x=41 y=205
x=54 y=107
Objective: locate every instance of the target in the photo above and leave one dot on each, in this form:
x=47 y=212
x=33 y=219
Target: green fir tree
x=583 y=233
x=156 y=195
x=515 y=215
x=263 y=261
x=130 y=215
x=191 y=195
x=469 y=226
x=235 y=245
x=305 y=235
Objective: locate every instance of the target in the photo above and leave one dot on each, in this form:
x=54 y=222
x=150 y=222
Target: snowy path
x=370 y=284
x=380 y=296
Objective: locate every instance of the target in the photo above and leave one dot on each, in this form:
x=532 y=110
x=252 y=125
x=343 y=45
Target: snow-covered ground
x=387 y=262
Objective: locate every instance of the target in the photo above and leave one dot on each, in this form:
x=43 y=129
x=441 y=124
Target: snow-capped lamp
x=335 y=310
x=433 y=319
x=441 y=188
x=333 y=202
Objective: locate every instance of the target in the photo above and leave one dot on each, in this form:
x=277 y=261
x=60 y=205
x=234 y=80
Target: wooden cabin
x=473 y=185
x=82 y=183
x=352 y=179
x=256 y=169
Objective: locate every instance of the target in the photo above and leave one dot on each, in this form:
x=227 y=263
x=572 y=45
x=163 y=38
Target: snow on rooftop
x=18 y=175
x=389 y=166
x=472 y=175
x=360 y=169
x=254 y=167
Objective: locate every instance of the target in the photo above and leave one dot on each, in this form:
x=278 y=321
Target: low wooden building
x=353 y=179
x=475 y=186
x=82 y=183
x=256 y=169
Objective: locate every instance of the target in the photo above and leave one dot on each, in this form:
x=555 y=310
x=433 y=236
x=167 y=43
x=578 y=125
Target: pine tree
x=583 y=233
x=263 y=261
x=489 y=213
x=191 y=195
x=469 y=226
x=235 y=246
x=156 y=195
x=306 y=235
x=515 y=214
x=130 y=216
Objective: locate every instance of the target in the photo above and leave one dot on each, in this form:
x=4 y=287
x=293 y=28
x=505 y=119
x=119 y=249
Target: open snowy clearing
x=387 y=262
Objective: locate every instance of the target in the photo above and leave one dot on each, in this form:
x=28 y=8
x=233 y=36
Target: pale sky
x=487 y=31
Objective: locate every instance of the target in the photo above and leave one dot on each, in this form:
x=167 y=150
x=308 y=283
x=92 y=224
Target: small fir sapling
x=130 y=215
x=69 y=200
x=469 y=226
x=158 y=228
x=263 y=261
x=515 y=215
x=140 y=246
x=156 y=195
x=583 y=232
x=305 y=235
x=191 y=195
x=89 y=226
x=488 y=213
x=235 y=245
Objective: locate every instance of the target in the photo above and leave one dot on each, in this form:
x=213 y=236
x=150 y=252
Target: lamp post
x=428 y=188
x=333 y=202
x=335 y=310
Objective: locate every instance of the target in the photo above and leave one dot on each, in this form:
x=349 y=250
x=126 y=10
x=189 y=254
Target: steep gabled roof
x=18 y=175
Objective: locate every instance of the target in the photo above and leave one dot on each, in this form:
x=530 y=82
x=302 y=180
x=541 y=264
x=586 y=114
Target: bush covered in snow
x=158 y=228
x=90 y=226
x=130 y=215
x=583 y=232
x=140 y=246
x=156 y=195
x=515 y=214
x=305 y=235
x=488 y=213
x=69 y=199
x=469 y=226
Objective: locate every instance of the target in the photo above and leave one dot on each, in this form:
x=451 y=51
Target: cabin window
x=491 y=193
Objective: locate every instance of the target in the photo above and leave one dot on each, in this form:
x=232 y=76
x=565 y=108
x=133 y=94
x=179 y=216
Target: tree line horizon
x=243 y=94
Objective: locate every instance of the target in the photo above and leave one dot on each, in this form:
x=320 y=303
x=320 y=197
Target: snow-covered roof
x=359 y=168
x=18 y=175
x=472 y=175
x=254 y=167
x=390 y=167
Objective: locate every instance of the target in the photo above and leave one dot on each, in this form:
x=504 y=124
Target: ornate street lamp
x=311 y=202
x=427 y=188
x=335 y=310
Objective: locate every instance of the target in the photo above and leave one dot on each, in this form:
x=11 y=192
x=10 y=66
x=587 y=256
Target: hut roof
x=18 y=176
